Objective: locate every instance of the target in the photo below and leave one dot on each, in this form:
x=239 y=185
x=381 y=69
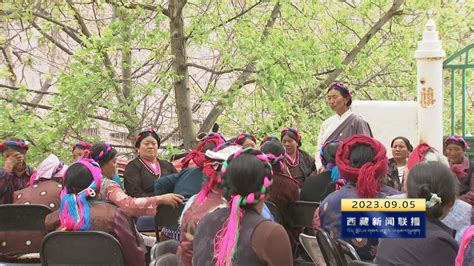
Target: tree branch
x=217 y=72
x=51 y=39
x=394 y=10
x=218 y=108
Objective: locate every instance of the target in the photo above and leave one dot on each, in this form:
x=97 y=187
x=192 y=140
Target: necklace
x=150 y=169
x=293 y=162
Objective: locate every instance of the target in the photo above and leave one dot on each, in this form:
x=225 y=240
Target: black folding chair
x=274 y=210
x=167 y=260
x=346 y=251
x=310 y=244
x=166 y=215
x=18 y=217
x=328 y=248
x=81 y=247
x=301 y=213
x=162 y=248
x=25 y=218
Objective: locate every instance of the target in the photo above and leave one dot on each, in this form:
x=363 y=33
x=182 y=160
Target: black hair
x=343 y=93
x=276 y=148
x=106 y=157
x=142 y=135
x=432 y=177
x=244 y=175
x=77 y=178
x=329 y=153
x=290 y=133
x=361 y=154
x=407 y=142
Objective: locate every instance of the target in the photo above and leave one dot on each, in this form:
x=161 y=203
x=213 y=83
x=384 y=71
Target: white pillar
x=429 y=58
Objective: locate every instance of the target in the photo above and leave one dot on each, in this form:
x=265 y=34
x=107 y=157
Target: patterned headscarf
x=50 y=168
x=292 y=133
x=458 y=141
x=368 y=177
x=83 y=145
x=146 y=133
x=16 y=144
x=242 y=137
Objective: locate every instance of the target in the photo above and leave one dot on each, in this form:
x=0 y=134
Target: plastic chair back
x=17 y=217
x=301 y=213
x=81 y=247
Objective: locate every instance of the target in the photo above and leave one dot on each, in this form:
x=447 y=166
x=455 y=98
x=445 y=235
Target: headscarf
x=343 y=89
x=49 y=168
x=225 y=243
x=368 y=177
x=83 y=145
x=217 y=156
x=74 y=212
x=292 y=133
x=16 y=144
x=458 y=141
x=146 y=133
x=242 y=137
x=418 y=155
x=197 y=154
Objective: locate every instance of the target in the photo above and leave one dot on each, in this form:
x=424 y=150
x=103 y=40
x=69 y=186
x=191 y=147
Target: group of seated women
x=226 y=184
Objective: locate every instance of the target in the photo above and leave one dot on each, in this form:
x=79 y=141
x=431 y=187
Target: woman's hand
x=12 y=161
x=171 y=199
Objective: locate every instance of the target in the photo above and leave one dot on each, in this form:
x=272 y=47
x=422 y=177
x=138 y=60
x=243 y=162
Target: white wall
x=389 y=119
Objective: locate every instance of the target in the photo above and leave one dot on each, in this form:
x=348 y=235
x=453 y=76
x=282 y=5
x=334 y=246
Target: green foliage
x=291 y=61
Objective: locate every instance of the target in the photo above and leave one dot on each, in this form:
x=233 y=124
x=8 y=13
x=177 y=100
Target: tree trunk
x=181 y=81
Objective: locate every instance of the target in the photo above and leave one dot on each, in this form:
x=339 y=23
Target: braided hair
x=102 y=153
x=246 y=178
x=82 y=181
x=276 y=153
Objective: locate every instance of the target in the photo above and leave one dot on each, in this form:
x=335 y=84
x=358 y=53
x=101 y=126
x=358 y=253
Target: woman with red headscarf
x=207 y=200
x=190 y=180
x=363 y=162
x=300 y=164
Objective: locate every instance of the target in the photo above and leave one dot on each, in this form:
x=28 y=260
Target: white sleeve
x=319 y=143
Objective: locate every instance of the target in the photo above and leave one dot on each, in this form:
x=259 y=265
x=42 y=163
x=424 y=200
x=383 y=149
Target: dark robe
x=11 y=182
x=353 y=125
x=139 y=180
x=437 y=248
x=317 y=187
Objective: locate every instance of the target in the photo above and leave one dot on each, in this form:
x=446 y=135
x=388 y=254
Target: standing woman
x=343 y=123
x=455 y=147
x=397 y=165
x=141 y=173
x=300 y=164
